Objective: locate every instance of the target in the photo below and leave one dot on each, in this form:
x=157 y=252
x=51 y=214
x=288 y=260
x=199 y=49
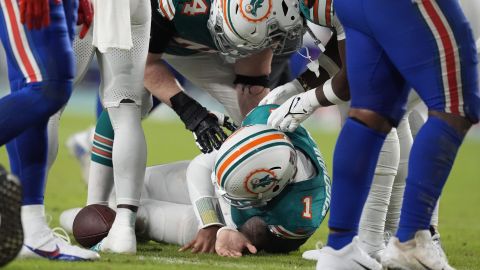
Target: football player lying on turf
x=270 y=192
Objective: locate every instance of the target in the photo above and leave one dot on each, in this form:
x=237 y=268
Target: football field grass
x=459 y=212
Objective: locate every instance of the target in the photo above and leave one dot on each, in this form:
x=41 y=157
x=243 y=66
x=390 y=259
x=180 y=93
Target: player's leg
x=123 y=92
x=41 y=85
x=100 y=180
x=168 y=222
x=437 y=57
x=372 y=222
x=378 y=93
x=167 y=183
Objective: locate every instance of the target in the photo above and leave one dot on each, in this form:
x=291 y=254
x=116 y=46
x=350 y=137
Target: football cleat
x=418 y=253
x=79 y=145
x=438 y=244
x=350 y=257
x=120 y=239
x=49 y=246
x=11 y=231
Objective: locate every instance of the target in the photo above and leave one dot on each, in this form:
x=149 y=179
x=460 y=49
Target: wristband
x=226 y=228
x=209 y=212
x=190 y=111
x=329 y=94
x=312 y=98
x=251 y=80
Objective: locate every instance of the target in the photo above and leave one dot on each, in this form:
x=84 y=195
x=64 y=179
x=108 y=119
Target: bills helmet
x=254 y=165
x=242 y=27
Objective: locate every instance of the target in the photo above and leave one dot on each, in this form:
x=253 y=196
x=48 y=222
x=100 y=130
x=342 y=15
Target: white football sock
x=372 y=222
x=129 y=153
x=52 y=131
x=405 y=139
x=100 y=183
x=33 y=220
x=124 y=217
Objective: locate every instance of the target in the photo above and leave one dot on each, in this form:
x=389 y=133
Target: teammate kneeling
x=263 y=190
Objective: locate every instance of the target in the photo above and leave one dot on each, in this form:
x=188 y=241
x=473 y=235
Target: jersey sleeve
x=161 y=34
x=318 y=11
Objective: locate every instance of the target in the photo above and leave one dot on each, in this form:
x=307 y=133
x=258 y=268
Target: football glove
x=85 y=16
x=294 y=111
x=280 y=94
x=206 y=126
x=35 y=14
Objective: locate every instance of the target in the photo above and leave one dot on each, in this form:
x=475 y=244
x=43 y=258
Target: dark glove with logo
x=206 y=127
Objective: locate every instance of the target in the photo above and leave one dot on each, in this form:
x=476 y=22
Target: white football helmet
x=254 y=165
x=243 y=27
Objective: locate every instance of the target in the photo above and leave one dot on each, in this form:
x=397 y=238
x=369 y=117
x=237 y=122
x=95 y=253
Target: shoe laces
x=319 y=245
x=58 y=232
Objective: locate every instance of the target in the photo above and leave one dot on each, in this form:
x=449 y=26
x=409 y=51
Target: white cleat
x=120 y=239
x=417 y=254
x=47 y=245
x=79 y=145
x=314 y=253
x=67 y=217
x=351 y=257
x=438 y=244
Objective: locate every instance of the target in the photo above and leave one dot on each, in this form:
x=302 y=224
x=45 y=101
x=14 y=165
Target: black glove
x=205 y=126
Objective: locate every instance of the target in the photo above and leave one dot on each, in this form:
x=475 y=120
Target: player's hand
x=85 y=16
x=208 y=133
x=232 y=243
x=294 y=111
x=204 y=242
x=35 y=14
x=280 y=94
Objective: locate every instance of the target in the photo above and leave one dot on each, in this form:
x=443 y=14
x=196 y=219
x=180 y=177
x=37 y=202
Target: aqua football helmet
x=242 y=27
x=254 y=165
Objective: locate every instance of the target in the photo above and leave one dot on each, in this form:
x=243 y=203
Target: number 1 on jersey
x=307 y=207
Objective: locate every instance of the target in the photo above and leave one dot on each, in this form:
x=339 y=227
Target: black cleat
x=11 y=232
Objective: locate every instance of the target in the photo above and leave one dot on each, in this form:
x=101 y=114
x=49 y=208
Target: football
x=92 y=224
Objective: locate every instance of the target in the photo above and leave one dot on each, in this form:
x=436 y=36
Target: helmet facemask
x=280 y=28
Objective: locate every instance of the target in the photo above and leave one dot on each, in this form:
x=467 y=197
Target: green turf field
x=459 y=212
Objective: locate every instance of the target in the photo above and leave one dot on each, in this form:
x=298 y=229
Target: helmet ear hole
x=275 y=189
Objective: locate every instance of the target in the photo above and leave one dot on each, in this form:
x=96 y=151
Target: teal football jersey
x=189 y=18
x=300 y=208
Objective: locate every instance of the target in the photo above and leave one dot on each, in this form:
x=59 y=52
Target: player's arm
x=327 y=90
x=161 y=82
x=205 y=204
x=252 y=79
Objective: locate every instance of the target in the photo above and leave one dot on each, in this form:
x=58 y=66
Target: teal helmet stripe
x=251 y=153
x=235 y=146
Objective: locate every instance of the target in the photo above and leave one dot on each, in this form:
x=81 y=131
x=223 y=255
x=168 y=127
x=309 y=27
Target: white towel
x=112 y=28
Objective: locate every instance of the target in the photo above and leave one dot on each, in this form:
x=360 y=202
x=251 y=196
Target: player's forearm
x=159 y=80
x=332 y=84
x=255 y=65
x=199 y=173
